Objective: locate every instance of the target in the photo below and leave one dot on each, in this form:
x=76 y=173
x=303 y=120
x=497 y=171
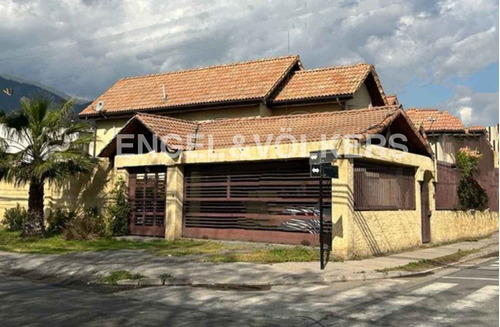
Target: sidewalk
x=88 y=266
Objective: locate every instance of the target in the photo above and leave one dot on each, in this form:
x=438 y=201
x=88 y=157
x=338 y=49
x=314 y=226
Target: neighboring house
x=492 y=132
x=446 y=135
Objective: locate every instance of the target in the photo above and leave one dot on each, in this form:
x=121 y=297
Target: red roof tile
x=392 y=100
x=250 y=80
x=476 y=129
x=359 y=123
x=433 y=120
x=324 y=82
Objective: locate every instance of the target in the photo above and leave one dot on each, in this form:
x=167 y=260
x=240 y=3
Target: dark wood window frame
x=383 y=187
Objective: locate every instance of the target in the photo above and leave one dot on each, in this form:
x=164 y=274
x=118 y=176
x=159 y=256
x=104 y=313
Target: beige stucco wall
x=360 y=99
x=366 y=233
x=232 y=112
x=105 y=131
x=303 y=109
x=378 y=232
x=10 y=196
x=175 y=193
x=448 y=226
x=84 y=192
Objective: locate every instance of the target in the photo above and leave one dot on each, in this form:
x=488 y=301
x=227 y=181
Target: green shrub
x=87 y=226
x=470 y=194
x=58 y=219
x=118 y=210
x=15 y=218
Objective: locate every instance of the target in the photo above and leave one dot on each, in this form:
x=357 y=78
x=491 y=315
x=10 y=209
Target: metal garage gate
x=261 y=201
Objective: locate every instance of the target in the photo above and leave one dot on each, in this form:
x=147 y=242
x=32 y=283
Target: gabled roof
x=356 y=123
x=326 y=82
x=476 y=129
x=392 y=100
x=241 y=81
x=435 y=121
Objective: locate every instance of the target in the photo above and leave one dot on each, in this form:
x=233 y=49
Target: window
x=383 y=187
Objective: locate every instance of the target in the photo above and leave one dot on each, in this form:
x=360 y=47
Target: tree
x=42 y=143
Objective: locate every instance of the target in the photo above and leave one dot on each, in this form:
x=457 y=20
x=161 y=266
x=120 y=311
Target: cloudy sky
x=430 y=53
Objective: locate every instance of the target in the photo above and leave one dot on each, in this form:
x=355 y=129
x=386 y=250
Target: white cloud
x=82 y=47
x=465 y=115
x=472 y=107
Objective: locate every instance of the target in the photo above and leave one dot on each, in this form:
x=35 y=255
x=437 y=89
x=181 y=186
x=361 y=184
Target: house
x=446 y=135
x=222 y=152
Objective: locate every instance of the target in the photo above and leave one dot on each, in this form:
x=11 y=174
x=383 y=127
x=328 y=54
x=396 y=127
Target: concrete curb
x=91 y=275
x=402 y=273
x=150 y=281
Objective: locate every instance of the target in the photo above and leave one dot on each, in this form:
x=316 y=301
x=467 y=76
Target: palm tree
x=41 y=143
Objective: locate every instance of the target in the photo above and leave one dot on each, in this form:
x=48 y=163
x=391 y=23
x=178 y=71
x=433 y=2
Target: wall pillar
x=174 y=201
x=342 y=209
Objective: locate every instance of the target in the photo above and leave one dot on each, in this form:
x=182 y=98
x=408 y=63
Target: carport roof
x=359 y=123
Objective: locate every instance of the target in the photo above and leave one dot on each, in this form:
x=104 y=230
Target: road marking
x=487 y=268
x=470 y=278
x=451 y=313
x=358 y=293
x=315 y=288
x=384 y=308
x=484 y=294
x=432 y=289
x=494 y=265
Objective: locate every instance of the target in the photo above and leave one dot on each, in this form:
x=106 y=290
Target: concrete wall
x=449 y=226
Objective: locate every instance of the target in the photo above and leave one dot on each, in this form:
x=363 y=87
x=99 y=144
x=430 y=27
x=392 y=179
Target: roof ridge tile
x=235 y=63
x=339 y=67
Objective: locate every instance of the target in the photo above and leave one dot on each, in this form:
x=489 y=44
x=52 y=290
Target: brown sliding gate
x=147 y=191
x=263 y=201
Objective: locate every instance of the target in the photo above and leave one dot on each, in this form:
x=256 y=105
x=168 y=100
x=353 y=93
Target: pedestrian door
x=147 y=192
x=425 y=212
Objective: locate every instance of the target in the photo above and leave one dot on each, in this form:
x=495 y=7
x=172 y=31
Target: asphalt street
x=466 y=295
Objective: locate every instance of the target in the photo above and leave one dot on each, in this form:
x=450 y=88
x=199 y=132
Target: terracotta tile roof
x=358 y=123
x=313 y=125
x=324 y=82
x=476 y=129
x=392 y=100
x=250 y=80
x=163 y=126
x=433 y=120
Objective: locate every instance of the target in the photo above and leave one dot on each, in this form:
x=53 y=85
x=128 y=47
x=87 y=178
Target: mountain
x=22 y=88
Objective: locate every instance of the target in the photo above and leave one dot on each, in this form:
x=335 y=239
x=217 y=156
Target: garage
x=259 y=201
